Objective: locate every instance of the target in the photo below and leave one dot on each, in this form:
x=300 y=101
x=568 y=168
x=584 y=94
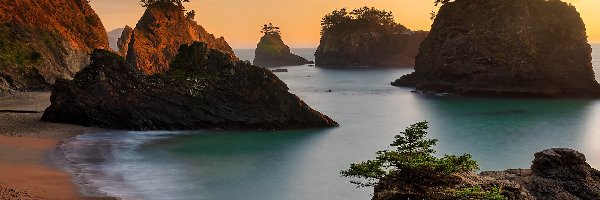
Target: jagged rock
x=272 y=52
x=354 y=42
x=123 y=41
x=113 y=38
x=506 y=48
x=160 y=31
x=204 y=88
x=556 y=174
x=42 y=40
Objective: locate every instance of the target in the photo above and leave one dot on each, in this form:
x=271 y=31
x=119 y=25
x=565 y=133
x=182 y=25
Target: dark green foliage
x=197 y=61
x=365 y=18
x=270 y=29
x=35 y=56
x=92 y=20
x=477 y=192
x=412 y=159
x=146 y=3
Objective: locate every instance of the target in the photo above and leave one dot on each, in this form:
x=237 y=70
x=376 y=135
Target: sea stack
x=159 y=33
x=203 y=88
x=506 y=48
x=357 y=39
x=42 y=40
x=272 y=52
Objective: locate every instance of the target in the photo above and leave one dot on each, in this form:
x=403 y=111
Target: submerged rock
x=506 y=48
x=359 y=40
x=158 y=34
x=42 y=40
x=272 y=52
x=204 y=88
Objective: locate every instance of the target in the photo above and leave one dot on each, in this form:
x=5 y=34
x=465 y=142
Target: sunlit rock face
x=506 y=48
x=159 y=33
x=204 y=88
x=272 y=52
x=42 y=40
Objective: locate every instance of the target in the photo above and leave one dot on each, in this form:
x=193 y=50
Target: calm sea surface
x=300 y=165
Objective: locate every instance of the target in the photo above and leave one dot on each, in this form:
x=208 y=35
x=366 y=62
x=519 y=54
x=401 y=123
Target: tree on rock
x=146 y=3
x=270 y=29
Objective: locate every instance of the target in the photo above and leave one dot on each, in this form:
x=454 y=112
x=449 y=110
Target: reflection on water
x=298 y=165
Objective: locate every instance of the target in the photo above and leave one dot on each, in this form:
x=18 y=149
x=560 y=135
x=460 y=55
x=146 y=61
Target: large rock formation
x=113 y=38
x=123 y=41
x=360 y=41
x=506 y=48
x=160 y=31
x=272 y=52
x=204 y=88
x=556 y=174
x=42 y=40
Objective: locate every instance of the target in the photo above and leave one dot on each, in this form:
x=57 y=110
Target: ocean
x=500 y=133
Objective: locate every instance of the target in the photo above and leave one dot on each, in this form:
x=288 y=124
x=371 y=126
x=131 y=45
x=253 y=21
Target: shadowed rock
x=272 y=52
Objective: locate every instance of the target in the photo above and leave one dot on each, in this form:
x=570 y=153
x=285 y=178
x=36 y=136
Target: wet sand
x=26 y=143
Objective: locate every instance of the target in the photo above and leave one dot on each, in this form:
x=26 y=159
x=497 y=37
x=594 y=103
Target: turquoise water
x=295 y=165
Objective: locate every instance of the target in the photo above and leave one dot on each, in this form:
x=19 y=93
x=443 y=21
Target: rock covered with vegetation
x=506 y=48
x=163 y=27
x=272 y=52
x=366 y=37
x=42 y=40
x=411 y=171
x=203 y=88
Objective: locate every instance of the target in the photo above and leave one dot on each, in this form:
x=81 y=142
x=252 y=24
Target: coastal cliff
x=123 y=41
x=204 y=88
x=159 y=33
x=506 y=48
x=42 y=40
x=272 y=52
x=366 y=37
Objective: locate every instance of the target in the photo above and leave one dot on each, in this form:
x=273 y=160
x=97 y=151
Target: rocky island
x=43 y=40
x=154 y=41
x=203 y=88
x=366 y=37
x=506 y=48
x=272 y=52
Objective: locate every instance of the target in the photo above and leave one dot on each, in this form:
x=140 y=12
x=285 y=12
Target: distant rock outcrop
x=113 y=38
x=160 y=31
x=555 y=174
x=203 y=88
x=123 y=41
x=42 y=40
x=272 y=52
x=350 y=40
x=506 y=48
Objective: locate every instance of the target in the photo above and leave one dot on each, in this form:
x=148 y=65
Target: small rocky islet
x=366 y=37
x=523 y=48
x=271 y=51
x=203 y=89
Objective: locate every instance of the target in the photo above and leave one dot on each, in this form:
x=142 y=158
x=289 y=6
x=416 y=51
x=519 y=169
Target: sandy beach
x=25 y=144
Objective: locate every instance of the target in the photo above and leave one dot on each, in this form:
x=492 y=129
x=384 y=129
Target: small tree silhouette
x=146 y=3
x=270 y=29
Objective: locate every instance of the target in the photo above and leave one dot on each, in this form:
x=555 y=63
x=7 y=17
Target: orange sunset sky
x=239 y=21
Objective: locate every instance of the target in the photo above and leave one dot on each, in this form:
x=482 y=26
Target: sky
x=239 y=21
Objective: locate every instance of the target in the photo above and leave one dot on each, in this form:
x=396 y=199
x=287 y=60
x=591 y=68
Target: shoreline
x=26 y=147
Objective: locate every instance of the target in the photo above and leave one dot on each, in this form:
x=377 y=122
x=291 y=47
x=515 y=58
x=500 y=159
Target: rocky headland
x=555 y=174
x=159 y=33
x=203 y=88
x=506 y=48
x=42 y=40
x=272 y=52
x=370 y=37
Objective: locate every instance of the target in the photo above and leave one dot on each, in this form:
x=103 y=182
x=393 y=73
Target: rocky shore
x=531 y=48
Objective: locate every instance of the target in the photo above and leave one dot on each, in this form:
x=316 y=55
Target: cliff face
x=555 y=174
x=42 y=40
x=506 y=48
x=272 y=52
x=160 y=32
x=369 y=47
x=123 y=41
x=204 y=88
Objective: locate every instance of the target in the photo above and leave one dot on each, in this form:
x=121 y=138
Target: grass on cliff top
x=271 y=44
x=13 y=53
